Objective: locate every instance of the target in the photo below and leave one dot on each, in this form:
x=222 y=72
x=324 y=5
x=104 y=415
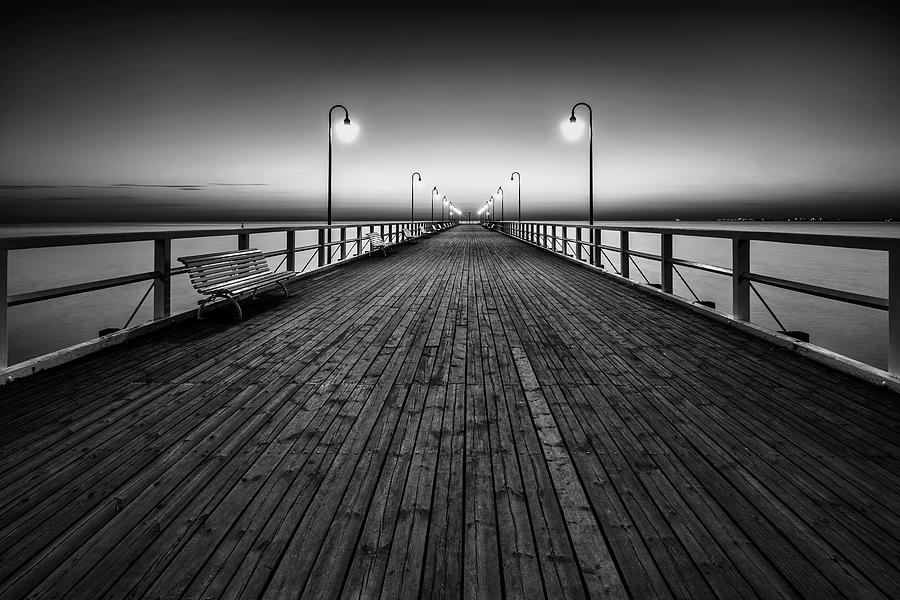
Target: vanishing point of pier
x=469 y=416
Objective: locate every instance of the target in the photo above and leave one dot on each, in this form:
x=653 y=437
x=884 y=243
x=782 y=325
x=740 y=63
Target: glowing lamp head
x=348 y=131
x=572 y=128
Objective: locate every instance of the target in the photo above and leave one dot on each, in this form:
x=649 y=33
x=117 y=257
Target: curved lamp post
x=434 y=194
x=573 y=127
x=443 y=204
x=520 y=191
x=348 y=137
x=500 y=193
x=412 y=198
x=572 y=121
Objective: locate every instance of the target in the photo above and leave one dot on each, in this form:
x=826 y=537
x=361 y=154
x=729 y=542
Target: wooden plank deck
x=469 y=416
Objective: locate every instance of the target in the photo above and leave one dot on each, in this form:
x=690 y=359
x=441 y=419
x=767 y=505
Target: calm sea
x=860 y=333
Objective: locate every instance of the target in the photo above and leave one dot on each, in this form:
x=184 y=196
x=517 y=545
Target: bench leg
x=203 y=303
x=237 y=306
x=211 y=298
x=284 y=289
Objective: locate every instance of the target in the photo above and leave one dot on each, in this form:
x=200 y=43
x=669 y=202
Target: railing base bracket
x=803 y=336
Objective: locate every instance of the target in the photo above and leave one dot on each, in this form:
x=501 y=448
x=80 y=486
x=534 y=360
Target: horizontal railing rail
x=588 y=248
x=332 y=243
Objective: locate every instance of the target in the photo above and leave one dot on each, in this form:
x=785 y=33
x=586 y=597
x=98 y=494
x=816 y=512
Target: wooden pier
x=468 y=417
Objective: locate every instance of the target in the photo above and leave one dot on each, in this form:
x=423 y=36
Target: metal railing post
x=4 y=308
x=343 y=243
x=358 y=241
x=321 y=249
x=565 y=235
x=578 y=243
x=544 y=242
x=162 y=282
x=624 y=257
x=290 y=244
x=665 y=265
x=243 y=241
x=596 y=241
x=894 y=310
x=740 y=284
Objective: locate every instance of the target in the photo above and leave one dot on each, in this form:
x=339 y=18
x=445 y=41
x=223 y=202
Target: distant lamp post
x=434 y=195
x=443 y=204
x=500 y=193
x=347 y=132
x=412 y=197
x=519 y=181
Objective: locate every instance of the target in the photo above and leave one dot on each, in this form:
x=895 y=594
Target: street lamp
x=443 y=203
x=434 y=195
x=347 y=134
x=520 y=191
x=500 y=193
x=412 y=198
x=572 y=130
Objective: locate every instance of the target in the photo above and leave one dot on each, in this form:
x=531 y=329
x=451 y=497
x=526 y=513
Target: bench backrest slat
x=207 y=270
x=376 y=240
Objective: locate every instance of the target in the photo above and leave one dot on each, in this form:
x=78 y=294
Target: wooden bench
x=376 y=243
x=408 y=234
x=231 y=275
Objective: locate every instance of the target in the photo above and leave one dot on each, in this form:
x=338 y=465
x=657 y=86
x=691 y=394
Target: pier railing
x=334 y=243
x=584 y=243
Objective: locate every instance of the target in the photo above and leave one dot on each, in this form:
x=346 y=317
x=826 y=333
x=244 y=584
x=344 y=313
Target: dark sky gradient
x=698 y=112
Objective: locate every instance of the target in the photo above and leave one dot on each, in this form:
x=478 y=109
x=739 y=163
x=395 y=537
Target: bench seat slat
x=244 y=278
x=248 y=282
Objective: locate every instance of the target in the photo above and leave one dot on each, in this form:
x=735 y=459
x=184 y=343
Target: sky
x=218 y=112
